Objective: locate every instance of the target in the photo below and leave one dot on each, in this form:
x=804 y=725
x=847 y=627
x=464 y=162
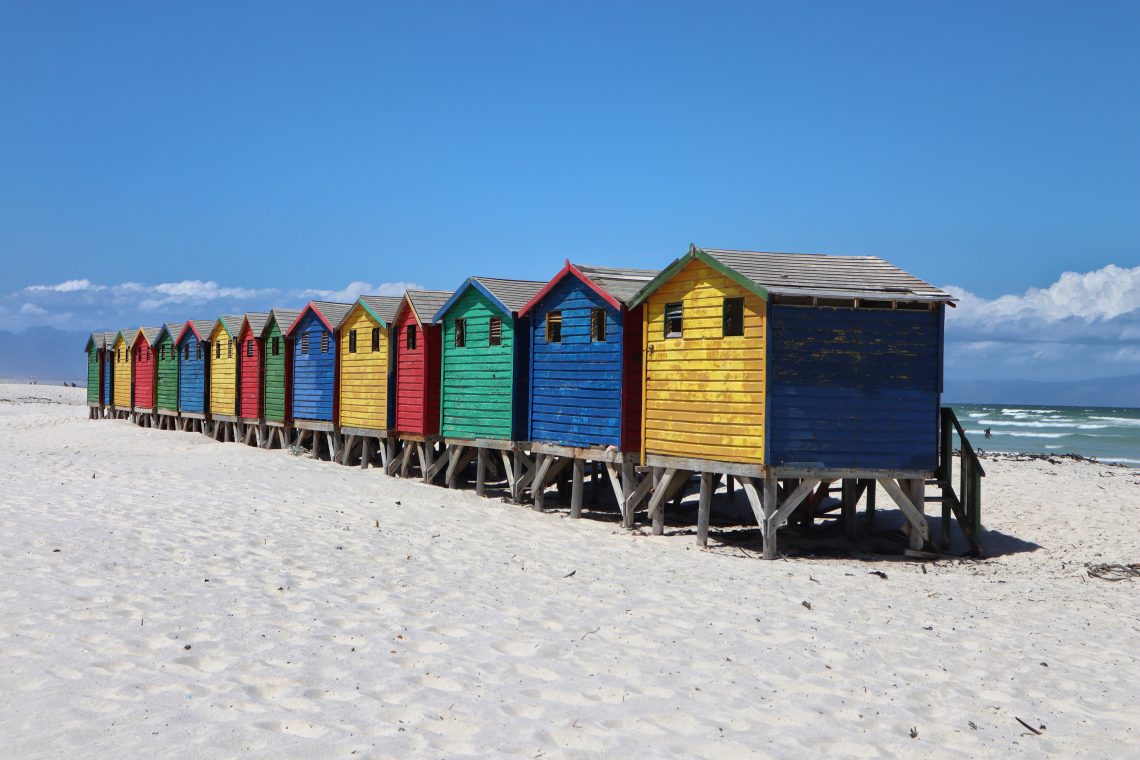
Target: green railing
x=966 y=503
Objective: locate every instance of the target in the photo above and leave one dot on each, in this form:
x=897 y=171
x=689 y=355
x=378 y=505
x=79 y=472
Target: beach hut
x=585 y=378
x=251 y=364
x=277 y=376
x=315 y=366
x=223 y=362
x=121 y=375
x=166 y=376
x=193 y=374
x=484 y=377
x=416 y=387
x=98 y=378
x=790 y=372
x=366 y=411
x=143 y=367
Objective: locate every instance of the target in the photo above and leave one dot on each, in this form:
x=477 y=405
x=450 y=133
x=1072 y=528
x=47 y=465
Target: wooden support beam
x=427 y=460
x=524 y=472
x=635 y=496
x=615 y=483
x=509 y=472
x=576 y=488
x=628 y=486
x=406 y=459
x=421 y=457
x=770 y=507
x=439 y=464
x=457 y=453
x=850 y=503
x=704 y=508
x=365 y=453
x=662 y=491
x=912 y=513
x=481 y=472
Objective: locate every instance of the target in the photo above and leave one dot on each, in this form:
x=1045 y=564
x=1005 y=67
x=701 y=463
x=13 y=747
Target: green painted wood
x=93 y=376
x=477 y=380
x=275 y=373
x=167 y=373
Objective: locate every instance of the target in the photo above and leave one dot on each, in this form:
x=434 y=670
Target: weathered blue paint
x=192 y=374
x=854 y=388
x=314 y=372
x=107 y=374
x=576 y=385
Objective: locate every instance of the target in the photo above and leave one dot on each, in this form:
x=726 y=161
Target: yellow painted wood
x=703 y=393
x=121 y=355
x=364 y=374
x=223 y=372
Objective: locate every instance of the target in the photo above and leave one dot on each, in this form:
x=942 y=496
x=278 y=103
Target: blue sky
x=161 y=160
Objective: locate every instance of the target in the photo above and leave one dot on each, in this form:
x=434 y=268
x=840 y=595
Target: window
x=733 y=321
x=352 y=341
x=598 y=325
x=198 y=352
x=495 y=332
x=460 y=333
x=218 y=350
x=554 y=327
x=410 y=337
x=230 y=349
x=148 y=353
x=276 y=346
x=249 y=347
x=304 y=343
x=324 y=342
x=674 y=320
x=375 y=338
x=186 y=352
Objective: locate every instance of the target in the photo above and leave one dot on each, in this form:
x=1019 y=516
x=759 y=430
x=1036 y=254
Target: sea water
x=1110 y=434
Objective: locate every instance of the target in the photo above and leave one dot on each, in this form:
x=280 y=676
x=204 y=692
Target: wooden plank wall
x=854 y=388
x=477 y=380
x=93 y=374
x=144 y=366
x=276 y=373
x=167 y=375
x=576 y=385
x=107 y=375
x=417 y=377
x=314 y=372
x=223 y=373
x=704 y=393
x=192 y=376
x=250 y=374
x=122 y=360
x=363 y=373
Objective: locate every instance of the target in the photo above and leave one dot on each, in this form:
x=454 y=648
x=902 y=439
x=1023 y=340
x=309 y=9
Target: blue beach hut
x=313 y=336
x=193 y=382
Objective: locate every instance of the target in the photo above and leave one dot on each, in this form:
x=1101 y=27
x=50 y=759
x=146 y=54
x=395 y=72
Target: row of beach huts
x=790 y=377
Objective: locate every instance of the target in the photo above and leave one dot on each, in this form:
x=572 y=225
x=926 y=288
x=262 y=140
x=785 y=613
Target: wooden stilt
x=628 y=486
x=481 y=472
x=406 y=459
x=704 y=509
x=365 y=453
x=850 y=499
x=576 y=488
x=770 y=508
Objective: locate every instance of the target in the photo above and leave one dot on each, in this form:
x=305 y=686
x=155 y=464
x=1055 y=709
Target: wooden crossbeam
x=912 y=513
x=437 y=465
x=615 y=483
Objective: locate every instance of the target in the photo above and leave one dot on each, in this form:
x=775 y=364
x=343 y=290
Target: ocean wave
x=1091 y=427
x=1121 y=421
x=1019 y=434
x=1012 y=411
x=1020 y=423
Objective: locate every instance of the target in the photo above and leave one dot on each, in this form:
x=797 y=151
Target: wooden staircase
x=965 y=503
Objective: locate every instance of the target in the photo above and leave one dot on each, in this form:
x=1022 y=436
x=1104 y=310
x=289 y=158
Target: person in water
x=988 y=433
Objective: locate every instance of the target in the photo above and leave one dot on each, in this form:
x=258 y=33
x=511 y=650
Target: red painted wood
x=251 y=375
x=143 y=367
x=632 y=340
x=417 y=376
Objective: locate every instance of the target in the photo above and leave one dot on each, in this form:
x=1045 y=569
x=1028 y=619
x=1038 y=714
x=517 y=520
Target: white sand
x=451 y=629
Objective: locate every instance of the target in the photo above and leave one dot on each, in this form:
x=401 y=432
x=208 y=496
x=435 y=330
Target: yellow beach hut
x=121 y=359
x=365 y=404
x=224 y=359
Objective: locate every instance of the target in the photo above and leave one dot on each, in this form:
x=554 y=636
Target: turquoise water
x=1106 y=433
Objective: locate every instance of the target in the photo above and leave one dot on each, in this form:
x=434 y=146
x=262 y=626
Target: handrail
x=966 y=504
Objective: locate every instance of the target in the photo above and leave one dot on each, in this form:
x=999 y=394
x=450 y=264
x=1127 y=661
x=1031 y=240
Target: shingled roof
x=330 y=312
x=427 y=302
x=283 y=317
x=257 y=321
x=201 y=327
x=383 y=308
x=808 y=274
x=149 y=333
x=616 y=285
x=510 y=296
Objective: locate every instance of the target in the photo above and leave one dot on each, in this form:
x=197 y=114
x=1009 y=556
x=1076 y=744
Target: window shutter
x=375 y=338
x=351 y=342
x=674 y=320
x=554 y=327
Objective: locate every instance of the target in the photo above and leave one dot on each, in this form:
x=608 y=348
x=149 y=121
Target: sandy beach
x=168 y=596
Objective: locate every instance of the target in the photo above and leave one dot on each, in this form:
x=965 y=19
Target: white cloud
x=1085 y=324
x=31 y=310
x=354 y=290
x=68 y=286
